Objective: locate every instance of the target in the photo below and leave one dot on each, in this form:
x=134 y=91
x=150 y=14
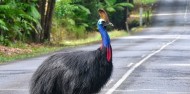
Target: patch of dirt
x=12 y=51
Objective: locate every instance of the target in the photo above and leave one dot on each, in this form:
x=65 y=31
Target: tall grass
x=90 y=37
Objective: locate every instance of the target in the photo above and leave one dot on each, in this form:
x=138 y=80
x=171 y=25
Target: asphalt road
x=154 y=61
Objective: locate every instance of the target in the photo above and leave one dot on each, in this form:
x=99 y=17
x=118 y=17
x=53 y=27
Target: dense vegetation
x=19 y=20
x=80 y=16
x=24 y=20
x=30 y=20
x=33 y=20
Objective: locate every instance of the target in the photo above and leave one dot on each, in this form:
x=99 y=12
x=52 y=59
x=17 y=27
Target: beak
x=107 y=23
x=111 y=24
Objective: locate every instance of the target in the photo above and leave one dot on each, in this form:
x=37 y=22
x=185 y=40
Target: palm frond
x=33 y=27
x=110 y=2
x=129 y=5
x=110 y=9
x=84 y=8
x=34 y=12
x=24 y=16
x=120 y=8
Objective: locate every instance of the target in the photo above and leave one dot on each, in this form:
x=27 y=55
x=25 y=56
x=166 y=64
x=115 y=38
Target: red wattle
x=109 y=54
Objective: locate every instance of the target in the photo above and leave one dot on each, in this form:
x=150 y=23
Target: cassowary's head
x=104 y=20
x=102 y=23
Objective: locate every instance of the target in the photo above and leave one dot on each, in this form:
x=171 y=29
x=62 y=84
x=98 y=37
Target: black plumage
x=82 y=72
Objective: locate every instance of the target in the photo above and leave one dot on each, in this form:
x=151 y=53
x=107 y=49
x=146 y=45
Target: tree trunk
x=46 y=8
x=48 y=19
x=41 y=9
x=128 y=15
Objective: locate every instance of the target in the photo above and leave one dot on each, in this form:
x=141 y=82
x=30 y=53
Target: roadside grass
x=93 y=37
x=144 y=1
x=33 y=50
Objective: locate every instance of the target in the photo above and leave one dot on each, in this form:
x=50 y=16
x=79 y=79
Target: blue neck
x=104 y=35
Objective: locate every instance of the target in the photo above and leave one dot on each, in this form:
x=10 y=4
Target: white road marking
x=126 y=75
x=130 y=64
x=109 y=82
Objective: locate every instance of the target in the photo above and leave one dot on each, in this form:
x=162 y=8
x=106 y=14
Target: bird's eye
x=104 y=23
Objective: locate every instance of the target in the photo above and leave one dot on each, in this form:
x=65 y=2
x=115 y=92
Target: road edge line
x=126 y=75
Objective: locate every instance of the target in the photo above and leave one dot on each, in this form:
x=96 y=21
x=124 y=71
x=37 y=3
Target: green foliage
x=3 y=25
x=18 y=20
x=4 y=40
x=79 y=16
x=85 y=12
x=72 y=17
x=117 y=11
x=113 y=5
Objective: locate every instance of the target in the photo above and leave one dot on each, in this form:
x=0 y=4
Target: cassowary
x=82 y=72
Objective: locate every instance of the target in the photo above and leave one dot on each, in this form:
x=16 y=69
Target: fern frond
x=5 y=7
x=33 y=27
x=3 y=25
